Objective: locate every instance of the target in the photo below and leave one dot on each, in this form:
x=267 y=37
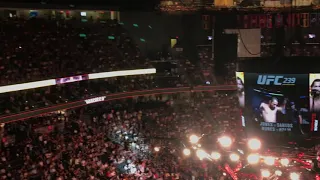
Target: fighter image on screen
x=240 y=92
x=315 y=96
x=269 y=110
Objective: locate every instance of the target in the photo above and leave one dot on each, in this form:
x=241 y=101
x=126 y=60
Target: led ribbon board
x=52 y=82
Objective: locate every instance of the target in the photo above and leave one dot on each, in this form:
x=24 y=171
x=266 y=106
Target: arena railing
x=109 y=97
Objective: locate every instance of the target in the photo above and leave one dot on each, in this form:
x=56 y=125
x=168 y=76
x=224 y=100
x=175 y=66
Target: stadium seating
x=39 y=49
x=114 y=140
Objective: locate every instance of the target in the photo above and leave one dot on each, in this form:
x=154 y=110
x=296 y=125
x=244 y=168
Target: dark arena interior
x=159 y=90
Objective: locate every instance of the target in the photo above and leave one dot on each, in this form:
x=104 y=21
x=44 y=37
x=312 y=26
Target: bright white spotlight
x=234 y=157
x=265 y=173
x=253 y=158
x=225 y=141
x=156 y=149
x=278 y=173
x=284 y=162
x=186 y=152
x=201 y=154
x=269 y=160
x=254 y=144
x=215 y=155
x=294 y=176
x=194 y=139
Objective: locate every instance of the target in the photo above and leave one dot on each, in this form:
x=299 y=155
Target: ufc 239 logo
x=275 y=80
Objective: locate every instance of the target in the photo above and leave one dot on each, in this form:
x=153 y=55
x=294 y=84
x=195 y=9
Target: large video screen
x=279 y=102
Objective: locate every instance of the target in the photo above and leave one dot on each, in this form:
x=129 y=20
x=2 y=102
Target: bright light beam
x=201 y=154
x=215 y=155
x=253 y=158
x=284 y=162
x=294 y=176
x=234 y=157
x=265 y=173
x=186 y=152
x=254 y=144
x=225 y=141
x=194 y=139
x=269 y=160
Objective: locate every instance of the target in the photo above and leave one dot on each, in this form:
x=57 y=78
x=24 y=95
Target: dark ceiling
x=122 y=4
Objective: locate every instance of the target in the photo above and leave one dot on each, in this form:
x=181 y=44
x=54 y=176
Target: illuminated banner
x=28 y=85
x=263 y=4
x=268 y=20
x=94 y=100
x=72 y=79
x=122 y=73
x=262 y=21
x=52 y=82
x=277 y=102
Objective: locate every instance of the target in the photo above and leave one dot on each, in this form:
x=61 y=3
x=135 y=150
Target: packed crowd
x=139 y=138
x=299 y=42
x=69 y=47
x=37 y=49
x=107 y=141
x=115 y=140
x=206 y=63
x=35 y=98
x=15 y=102
x=230 y=78
x=310 y=50
x=207 y=68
